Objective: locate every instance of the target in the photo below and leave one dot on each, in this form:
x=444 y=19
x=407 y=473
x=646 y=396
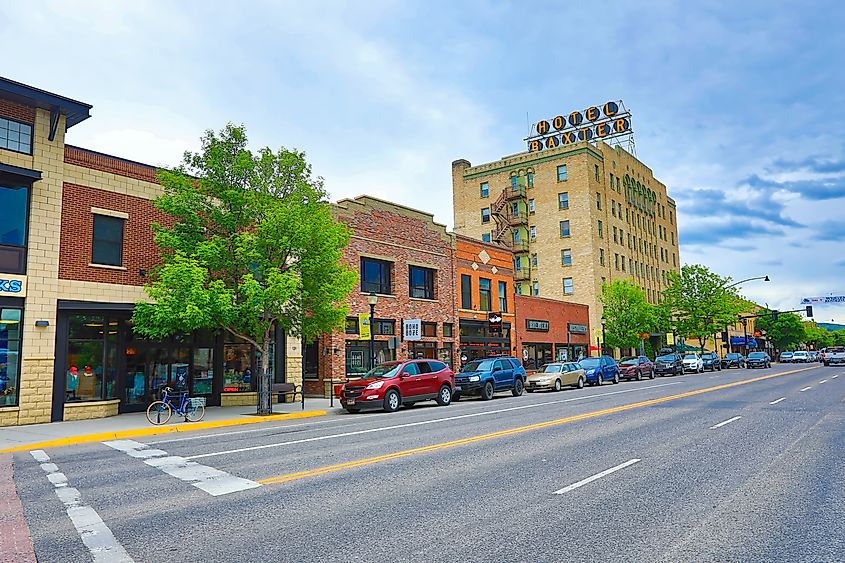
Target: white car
x=693 y=363
x=800 y=357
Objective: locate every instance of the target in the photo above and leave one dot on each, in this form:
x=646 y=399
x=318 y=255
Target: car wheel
x=392 y=401
x=599 y=380
x=444 y=397
x=487 y=392
x=580 y=384
x=639 y=375
x=518 y=387
x=651 y=375
x=557 y=384
x=616 y=378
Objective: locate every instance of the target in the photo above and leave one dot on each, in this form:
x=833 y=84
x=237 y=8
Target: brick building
x=575 y=216
x=485 y=293
x=407 y=262
x=549 y=330
x=75 y=246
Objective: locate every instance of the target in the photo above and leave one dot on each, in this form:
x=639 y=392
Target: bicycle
x=192 y=408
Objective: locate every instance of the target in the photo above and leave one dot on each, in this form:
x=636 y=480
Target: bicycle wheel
x=159 y=413
x=195 y=414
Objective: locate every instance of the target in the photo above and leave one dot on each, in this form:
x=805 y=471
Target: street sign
x=823 y=300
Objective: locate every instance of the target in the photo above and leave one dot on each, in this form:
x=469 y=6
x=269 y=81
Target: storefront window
x=426 y=350
x=10 y=346
x=358 y=356
x=538 y=355
x=311 y=359
x=85 y=354
x=238 y=368
x=202 y=373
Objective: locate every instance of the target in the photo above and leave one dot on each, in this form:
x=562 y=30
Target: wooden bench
x=288 y=389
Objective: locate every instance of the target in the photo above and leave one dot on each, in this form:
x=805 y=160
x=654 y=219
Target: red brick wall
x=112 y=164
x=16 y=111
x=558 y=313
x=404 y=237
x=77 y=232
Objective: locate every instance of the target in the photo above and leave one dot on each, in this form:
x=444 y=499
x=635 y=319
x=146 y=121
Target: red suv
x=393 y=384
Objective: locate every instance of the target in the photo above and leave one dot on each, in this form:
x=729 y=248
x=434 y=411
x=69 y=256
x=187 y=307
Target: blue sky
x=738 y=106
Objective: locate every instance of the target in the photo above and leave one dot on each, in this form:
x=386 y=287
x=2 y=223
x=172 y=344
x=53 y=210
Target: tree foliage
x=627 y=314
x=252 y=247
x=700 y=302
x=785 y=332
x=817 y=337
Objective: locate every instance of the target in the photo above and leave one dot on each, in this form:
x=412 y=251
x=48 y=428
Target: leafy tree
x=838 y=337
x=253 y=247
x=700 y=302
x=627 y=314
x=817 y=337
x=785 y=332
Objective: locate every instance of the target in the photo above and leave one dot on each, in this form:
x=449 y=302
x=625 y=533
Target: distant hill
x=830 y=326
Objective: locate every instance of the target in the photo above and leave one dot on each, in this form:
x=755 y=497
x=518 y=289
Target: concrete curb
x=152 y=431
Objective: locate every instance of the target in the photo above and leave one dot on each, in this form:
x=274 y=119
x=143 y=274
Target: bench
x=288 y=389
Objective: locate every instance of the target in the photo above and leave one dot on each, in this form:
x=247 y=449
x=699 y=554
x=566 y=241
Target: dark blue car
x=488 y=376
x=600 y=369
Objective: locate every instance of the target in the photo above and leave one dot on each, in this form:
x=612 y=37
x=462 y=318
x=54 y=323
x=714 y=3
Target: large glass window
x=484 y=303
x=10 y=359
x=466 y=292
x=564 y=228
x=567 y=286
x=485 y=214
x=566 y=256
x=485 y=237
x=485 y=189
x=14 y=202
x=375 y=276
x=561 y=173
x=15 y=136
x=563 y=200
x=85 y=357
x=421 y=282
x=108 y=241
x=503 y=297
x=238 y=368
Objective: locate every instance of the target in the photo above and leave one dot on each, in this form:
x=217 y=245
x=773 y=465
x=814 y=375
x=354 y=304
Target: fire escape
x=510 y=212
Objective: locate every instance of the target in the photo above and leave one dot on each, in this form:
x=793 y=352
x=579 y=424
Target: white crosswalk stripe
x=212 y=481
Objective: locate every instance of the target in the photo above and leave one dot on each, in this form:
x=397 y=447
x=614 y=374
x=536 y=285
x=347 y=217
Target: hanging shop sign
x=607 y=122
x=577 y=329
x=364 y=329
x=494 y=323
x=412 y=329
x=12 y=285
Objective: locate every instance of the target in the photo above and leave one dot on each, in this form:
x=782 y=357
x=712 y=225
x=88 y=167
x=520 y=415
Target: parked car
x=785 y=357
x=733 y=360
x=814 y=356
x=711 y=361
x=800 y=357
x=488 y=376
x=555 y=376
x=759 y=360
x=669 y=364
x=636 y=368
x=599 y=370
x=693 y=363
x=393 y=384
x=834 y=355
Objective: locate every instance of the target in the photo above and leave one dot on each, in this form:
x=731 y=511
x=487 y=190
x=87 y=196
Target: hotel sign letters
x=606 y=122
x=12 y=286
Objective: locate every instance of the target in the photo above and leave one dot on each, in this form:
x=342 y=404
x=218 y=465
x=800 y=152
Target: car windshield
x=383 y=370
x=756 y=356
x=786 y=354
x=552 y=368
x=631 y=362
x=690 y=357
x=708 y=356
x=665 y=358
x=588 y=363
x=733 y=356
x=478 y=365
x=800 y=354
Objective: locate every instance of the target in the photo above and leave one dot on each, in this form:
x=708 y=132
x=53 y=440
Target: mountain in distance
x=830 y=326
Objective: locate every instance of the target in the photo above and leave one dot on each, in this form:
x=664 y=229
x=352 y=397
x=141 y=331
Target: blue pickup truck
x=488 y=376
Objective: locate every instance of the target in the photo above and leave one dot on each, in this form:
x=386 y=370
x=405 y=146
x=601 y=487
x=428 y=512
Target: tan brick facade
x=646 y=231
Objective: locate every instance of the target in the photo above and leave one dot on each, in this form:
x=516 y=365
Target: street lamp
x=744 y=321
x=603 y=337
x=764 y=278
x=372 y=299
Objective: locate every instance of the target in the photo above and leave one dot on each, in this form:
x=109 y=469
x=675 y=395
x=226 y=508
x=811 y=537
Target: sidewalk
x=55 y=434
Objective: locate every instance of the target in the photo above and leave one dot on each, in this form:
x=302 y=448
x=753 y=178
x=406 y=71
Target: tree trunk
x=265 y=379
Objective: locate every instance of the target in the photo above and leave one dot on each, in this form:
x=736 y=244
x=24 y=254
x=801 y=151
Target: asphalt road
x=690 y=468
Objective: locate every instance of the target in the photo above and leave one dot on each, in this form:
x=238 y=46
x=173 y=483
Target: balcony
x=511 y=193
x=519 y=247
x=518 y=218
x=521 y=274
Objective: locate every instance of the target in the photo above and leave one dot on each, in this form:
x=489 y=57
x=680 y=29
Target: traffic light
x=724 y=336
x=774 y=315
x=809 y=310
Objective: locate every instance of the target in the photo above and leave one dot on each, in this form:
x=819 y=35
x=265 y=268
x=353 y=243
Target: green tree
x=785 y=332
x=817 y=337
x=838 y=337
x=253 y=247
x=700 y=302
x=626 y=312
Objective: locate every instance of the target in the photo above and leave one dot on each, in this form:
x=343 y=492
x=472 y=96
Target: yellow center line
x=509 y=432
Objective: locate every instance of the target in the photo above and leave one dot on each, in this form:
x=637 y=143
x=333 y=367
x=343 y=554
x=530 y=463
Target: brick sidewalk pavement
x=15 y=543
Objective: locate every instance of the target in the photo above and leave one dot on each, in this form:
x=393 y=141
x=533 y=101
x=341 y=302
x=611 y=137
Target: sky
x=738 y=107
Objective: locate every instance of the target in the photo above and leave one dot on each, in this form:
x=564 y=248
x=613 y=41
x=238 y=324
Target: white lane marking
x=604 y=473
x=807 y=388
x=212 y=481
x=728 y=421
x=777 y=401
x=412 y=424
x=96 y=536
x=835 y=376
x=345 y=421
x=822 y=381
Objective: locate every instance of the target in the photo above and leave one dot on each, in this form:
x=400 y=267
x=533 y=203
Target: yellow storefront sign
x=364 y=331
x=670 y=339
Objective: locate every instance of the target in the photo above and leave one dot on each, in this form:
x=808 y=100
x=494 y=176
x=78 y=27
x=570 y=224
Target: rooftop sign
x=609 y=121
